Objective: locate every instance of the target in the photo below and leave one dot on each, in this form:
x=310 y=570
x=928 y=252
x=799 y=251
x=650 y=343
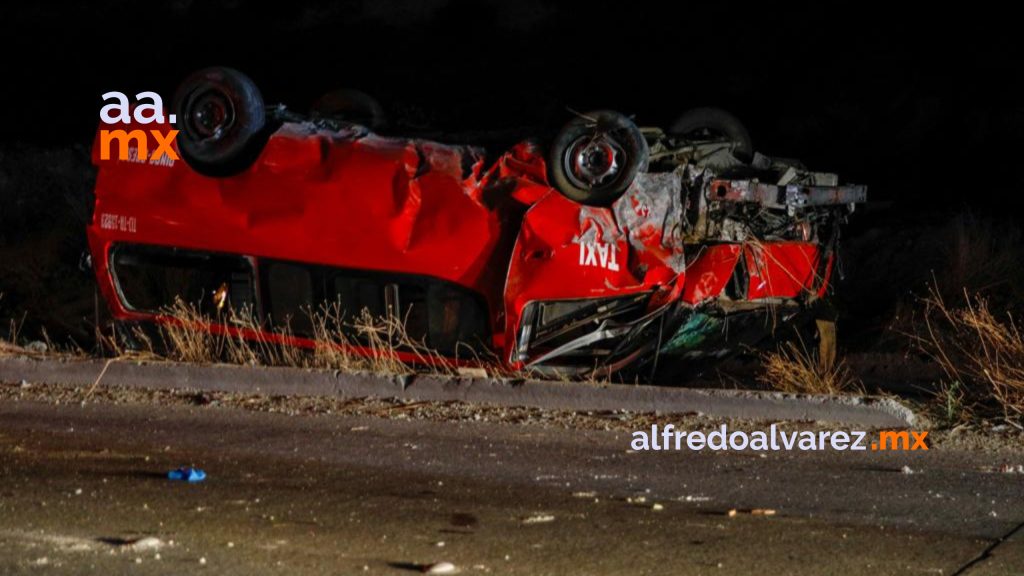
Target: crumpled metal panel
x=710 y=271
x=782 y=269
x=651 y=211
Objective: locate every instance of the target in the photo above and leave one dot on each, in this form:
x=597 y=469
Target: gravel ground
x=322 y=486
x=981 y=437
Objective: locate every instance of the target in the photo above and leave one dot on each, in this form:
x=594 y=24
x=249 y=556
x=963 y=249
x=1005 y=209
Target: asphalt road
x=343 y=494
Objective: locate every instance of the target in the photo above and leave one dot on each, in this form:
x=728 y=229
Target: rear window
x=151 y=278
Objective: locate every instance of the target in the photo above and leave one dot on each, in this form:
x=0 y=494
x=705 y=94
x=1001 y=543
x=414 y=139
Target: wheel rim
x=211 y=113
x=592 y=161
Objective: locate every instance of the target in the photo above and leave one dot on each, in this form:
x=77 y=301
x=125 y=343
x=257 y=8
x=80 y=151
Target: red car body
x=496 y=233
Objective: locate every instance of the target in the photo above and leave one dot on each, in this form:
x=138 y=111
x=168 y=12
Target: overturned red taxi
x=603 y=248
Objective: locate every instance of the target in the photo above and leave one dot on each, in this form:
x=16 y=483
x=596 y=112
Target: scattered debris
x=637 y=500
x=752 y=512
x=37 y=347
x=584 y=494
x=689 y=498
x=471 y=372
x=134 y=545
x=907 y=470
x=538 y=519
x=657 y=507
x=60 y=542
x=1004 y=469
x=187 y=474
x=440 y=568
x=143 y=544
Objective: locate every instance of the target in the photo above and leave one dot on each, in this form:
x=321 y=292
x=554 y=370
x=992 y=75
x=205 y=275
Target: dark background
x=925 y=103
x=922 y=104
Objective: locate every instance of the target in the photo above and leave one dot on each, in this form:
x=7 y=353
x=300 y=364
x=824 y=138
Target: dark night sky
x=918 y=104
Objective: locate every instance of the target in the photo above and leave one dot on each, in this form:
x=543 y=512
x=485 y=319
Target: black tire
x=707 y=123
x=350 y=106
x=222 y=121
x=596 y=156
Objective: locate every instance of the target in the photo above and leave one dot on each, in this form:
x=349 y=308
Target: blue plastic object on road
x=187 y=475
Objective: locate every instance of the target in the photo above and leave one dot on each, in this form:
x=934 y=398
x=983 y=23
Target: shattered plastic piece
x=469 y=372
x=143 y=544
x=539 y=519
x=753 y=512
x=906 y=470
x=187 y=474
x=441 y=568
x=37 y=347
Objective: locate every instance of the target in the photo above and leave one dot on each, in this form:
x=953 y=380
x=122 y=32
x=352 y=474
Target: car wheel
x=350 y=106
x=221 y=120
x=595 y=157
x=702 y=124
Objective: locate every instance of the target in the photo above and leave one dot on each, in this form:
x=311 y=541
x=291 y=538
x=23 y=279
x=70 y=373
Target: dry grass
x=981 y=254
x=981 y=354
x=194 y=337
x=13 y=344
x=377 y=339
x=793 y=368
x=367 y=343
